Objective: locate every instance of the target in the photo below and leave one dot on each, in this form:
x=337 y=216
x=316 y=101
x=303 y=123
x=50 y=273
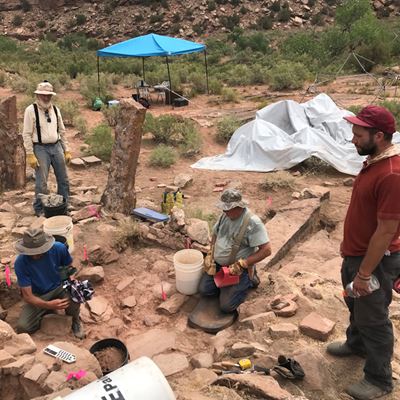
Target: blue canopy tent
x=152 y=45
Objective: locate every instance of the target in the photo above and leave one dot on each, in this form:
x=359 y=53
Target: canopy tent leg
x=206 y=65
x=98 y=76
x=144 y=76
x=169 y=77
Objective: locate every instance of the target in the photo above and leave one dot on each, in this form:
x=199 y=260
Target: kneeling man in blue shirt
x=38 y=271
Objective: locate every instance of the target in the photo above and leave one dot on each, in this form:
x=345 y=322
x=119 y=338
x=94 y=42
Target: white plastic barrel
x=139 y=380
x=188 y=265
x=60 y=225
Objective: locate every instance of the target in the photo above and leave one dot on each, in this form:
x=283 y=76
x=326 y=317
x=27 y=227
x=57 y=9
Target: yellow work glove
x=67 y=156
x=237 y=267
x=32 y=161
x=209 y=264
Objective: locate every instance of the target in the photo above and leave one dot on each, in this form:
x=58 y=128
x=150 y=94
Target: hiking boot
x=339 y=349
x=78 y=330
x=365 y=390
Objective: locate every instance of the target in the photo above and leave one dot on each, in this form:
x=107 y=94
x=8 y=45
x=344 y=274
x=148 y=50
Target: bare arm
x=30 y=298
x=378 y=244
x=264 y=250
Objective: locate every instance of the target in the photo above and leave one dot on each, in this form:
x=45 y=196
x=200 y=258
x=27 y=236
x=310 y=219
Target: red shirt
x=376 y=194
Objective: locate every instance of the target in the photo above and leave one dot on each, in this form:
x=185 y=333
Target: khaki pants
x=31 y=316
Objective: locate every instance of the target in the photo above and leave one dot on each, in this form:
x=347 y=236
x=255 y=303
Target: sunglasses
x=46 y=114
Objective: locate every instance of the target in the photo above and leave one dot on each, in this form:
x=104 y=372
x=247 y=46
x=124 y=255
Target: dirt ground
x=138 y=261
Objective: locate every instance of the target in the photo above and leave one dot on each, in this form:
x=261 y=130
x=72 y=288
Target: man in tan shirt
x=46 y=144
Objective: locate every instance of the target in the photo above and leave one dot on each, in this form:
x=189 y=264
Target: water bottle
x=373 y=285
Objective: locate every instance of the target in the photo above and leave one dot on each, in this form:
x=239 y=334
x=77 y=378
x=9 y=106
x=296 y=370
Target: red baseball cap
x=375 y=117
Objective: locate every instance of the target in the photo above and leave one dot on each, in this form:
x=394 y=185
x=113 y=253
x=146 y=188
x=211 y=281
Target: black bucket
x=62 y=209
x=111 y=343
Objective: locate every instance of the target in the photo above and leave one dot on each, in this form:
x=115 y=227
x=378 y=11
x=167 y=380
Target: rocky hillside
x=118 y=19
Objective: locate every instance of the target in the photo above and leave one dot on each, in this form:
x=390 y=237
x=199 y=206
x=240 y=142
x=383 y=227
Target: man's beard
x=369 y=149
x=44 y=104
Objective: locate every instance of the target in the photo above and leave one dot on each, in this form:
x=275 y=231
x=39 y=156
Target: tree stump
x=12 y=154
x=119 y=194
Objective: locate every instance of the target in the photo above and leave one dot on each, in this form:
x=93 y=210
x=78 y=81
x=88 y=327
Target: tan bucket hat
x=45 y=88
x=231 y=198
x=34 y=242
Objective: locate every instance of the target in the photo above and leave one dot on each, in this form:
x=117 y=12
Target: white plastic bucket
x=60 y=225
x=188 y=265
x=140 y=379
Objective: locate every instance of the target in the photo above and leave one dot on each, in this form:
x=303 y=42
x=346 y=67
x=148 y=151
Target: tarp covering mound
x=286 y=133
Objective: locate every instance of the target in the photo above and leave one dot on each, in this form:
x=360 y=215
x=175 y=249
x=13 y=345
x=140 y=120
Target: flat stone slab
x=316 y=326
x=91 y=160
x=171 y=363
x=261 y=386
x=290 y=225
x=153 y=342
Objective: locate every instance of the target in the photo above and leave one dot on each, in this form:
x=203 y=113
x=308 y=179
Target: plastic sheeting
x=286 y=133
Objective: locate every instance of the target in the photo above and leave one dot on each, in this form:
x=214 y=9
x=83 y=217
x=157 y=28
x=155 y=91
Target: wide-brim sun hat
x=231 y=198
x=45 y=88
x=34 y=242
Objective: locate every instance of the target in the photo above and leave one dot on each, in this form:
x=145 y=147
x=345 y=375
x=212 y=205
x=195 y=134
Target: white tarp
x=286 y=133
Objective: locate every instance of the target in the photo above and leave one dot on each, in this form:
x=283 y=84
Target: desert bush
x=287 y=75
x=162 y=156
x=318 y=19
x=80 y=19
x=240 y=75
x=26 y=6
x=278 y=180
x=17 y=20
x=229 y=95
x=100 y=142
x=350 y=11
x=211 y=5
x=89 y=88
x=41 y=24
x=191 y=144
x=210 y=218
x=111 y=114
x=127 y=234
x=276 y=6
x=394 y=108
x=226 y=128
x=230 y=21
x=3 y=78
x=256 y=42
x=215 y=86
x=81 y=125
x=284 y=15
x=19 y=84
x=69 y=110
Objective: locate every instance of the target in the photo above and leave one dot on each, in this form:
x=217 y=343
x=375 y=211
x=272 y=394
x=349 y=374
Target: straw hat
x=45 y=88
x=231 y=198
x=34 y=242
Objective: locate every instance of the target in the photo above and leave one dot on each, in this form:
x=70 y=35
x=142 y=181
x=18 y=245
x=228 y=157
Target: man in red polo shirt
x=371 y=245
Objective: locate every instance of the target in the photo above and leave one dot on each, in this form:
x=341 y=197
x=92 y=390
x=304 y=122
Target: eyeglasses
x=46 y=114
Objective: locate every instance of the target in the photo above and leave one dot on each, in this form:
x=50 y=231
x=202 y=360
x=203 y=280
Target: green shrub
x=41 y=24
x=101 y=142
x=278 y=180
x=81 y=125
x=26 y=6
x=265 y=22
x=89 y=88
x=226 y=128
x=17 y=20
x=19 y=84
x=284 y=15
x=318 y=19
x=215 y=86
x=162 y=156
x=276 y=6
x=111 y=114
x=351 y=11
x=394 y=108
x=69 y=110
x=211 y=5
x=243 y=10
x=230 y=21
x=287 y=75
x=3 y=78
x=354 y=109
x=229 y=95
x=191 y=144
x=210 y=218
x=80 y=19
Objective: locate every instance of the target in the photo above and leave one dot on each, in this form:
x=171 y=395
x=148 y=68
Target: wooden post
x=12 y=154
x=119 y=194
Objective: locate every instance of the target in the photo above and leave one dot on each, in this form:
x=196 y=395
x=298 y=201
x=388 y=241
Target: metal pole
x=98 y=76
x=144 y=76
x=205 y=62
x=169 y=78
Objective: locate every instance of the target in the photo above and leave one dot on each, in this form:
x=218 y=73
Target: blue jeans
x=370 y=331
x=230 y=297
x=49 y=155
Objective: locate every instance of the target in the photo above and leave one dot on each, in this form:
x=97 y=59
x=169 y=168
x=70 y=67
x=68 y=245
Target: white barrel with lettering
x=140 y=379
